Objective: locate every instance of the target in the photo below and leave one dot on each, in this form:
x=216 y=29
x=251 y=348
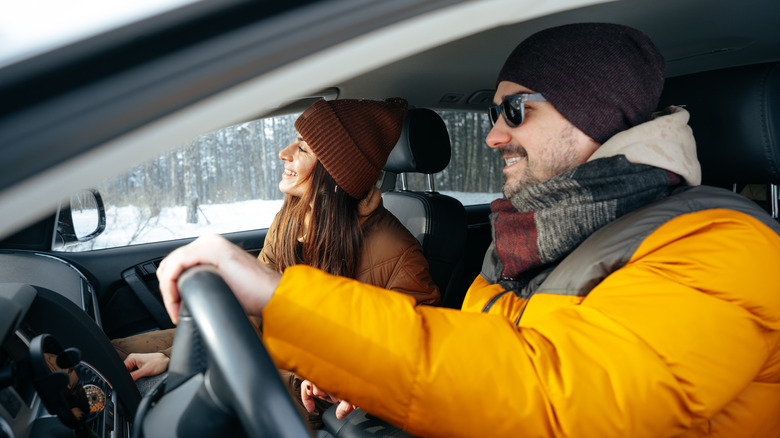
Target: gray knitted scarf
x=543 y=223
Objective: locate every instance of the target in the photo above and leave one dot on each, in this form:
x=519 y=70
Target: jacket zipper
x=493 y=301
x=527 y=300
x=499 y=295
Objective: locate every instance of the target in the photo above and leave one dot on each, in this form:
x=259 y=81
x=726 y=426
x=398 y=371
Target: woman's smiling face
x=299 y=161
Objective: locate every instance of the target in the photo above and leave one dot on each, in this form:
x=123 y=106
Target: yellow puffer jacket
x=682 y=339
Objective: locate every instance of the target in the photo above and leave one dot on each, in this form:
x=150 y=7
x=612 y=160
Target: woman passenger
x=332 y=218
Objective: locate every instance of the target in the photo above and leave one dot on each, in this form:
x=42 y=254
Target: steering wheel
x=219 y=371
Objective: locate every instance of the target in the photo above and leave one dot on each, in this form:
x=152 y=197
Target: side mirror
x=82 y=218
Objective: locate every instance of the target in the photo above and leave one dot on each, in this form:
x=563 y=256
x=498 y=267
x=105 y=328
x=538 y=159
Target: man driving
x=617 y=298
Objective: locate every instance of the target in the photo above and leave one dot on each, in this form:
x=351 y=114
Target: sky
x=29 y=27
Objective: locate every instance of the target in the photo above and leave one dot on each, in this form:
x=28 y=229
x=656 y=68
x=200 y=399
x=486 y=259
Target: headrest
x=735 y=117
x=424 y=145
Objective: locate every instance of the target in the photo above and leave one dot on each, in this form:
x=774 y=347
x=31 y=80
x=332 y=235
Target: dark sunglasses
x=513 y=108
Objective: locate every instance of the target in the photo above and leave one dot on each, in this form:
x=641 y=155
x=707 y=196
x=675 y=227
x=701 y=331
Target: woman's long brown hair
x=334 y=239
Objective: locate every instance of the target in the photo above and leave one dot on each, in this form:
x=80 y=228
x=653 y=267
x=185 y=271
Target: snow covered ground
x=135 y=225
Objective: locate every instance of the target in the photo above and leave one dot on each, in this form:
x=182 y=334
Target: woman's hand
x=146 y=364
x=252 y=282
x=309 y=391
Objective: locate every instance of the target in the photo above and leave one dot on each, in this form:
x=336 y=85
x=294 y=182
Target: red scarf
x=543 y=223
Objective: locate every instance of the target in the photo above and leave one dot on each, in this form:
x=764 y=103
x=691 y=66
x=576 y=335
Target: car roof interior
x=461 y=75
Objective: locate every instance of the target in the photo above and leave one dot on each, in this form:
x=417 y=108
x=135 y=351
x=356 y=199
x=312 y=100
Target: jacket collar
x=666 y=141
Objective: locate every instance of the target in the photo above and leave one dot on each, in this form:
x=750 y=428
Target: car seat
x=735 y=117
x=437 y=221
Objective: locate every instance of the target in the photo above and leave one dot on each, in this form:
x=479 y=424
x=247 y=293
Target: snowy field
x=135 y=225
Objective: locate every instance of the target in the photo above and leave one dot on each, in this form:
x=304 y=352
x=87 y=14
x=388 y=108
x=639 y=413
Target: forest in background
x=241 y=163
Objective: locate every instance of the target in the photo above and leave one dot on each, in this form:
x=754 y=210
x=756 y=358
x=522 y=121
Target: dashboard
x=59 y=374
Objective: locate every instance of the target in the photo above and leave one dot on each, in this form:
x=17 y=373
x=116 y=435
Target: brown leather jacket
x=391 y=257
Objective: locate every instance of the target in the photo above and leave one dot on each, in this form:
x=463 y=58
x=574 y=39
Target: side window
x=227 y=181
x=221 y=182
x=474 y=174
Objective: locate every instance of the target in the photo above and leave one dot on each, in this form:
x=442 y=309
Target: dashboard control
x=105 y=419
x=96 y=398
x=39 y=371
x=56 y=381
x=46 y=390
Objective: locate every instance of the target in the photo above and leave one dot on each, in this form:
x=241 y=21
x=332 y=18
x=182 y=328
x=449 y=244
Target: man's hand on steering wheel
x=252 y=282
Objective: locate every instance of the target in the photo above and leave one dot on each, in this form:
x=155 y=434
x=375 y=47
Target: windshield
x=32 y=27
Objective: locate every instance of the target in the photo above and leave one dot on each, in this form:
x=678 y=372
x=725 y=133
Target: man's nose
x=499 y=134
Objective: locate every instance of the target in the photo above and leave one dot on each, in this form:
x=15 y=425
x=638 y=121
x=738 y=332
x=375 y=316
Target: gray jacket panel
x=610 y=248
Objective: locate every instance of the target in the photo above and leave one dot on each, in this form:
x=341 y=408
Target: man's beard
x=553 y=159
x=526 y=179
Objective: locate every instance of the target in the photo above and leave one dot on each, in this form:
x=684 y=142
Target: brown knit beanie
x=604 y=78
x=353 y=138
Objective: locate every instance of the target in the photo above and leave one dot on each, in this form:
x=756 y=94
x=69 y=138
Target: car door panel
x=126 y=286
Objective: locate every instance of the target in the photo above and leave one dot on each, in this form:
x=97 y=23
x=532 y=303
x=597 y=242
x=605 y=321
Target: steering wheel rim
x=254 y=393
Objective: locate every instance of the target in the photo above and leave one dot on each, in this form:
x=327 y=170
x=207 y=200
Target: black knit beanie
x=603 y=78
x=352 y=138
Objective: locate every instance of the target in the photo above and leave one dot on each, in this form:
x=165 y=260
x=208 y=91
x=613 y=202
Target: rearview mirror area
x=80 y=218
